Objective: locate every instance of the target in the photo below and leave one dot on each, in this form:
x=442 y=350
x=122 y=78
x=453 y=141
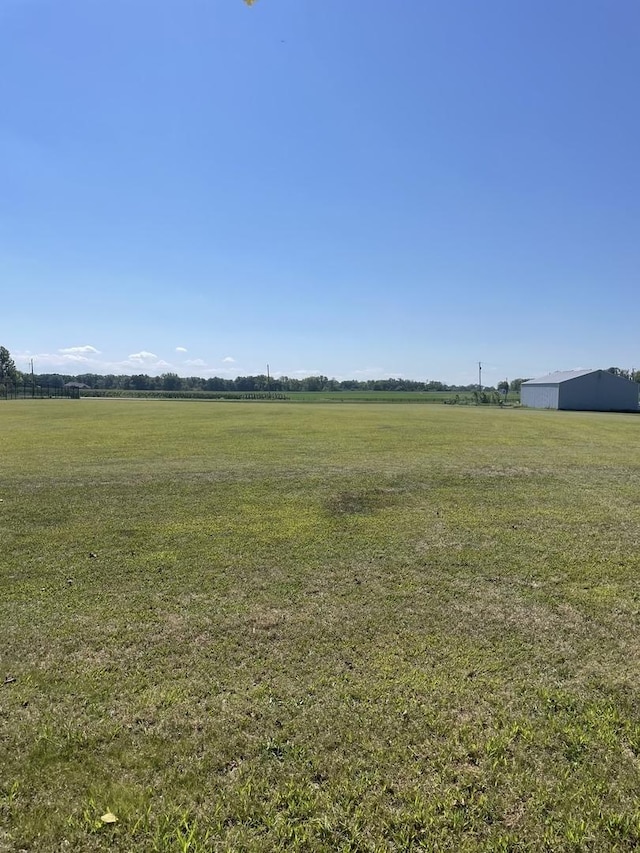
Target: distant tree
x=171 y=382
x=52 y=380
x=94 y=380
x=314 y=383
x=503 y=386
x=245 y=383
x=634 y=375
x=8 y=369
x=140 y=382
x=618 y=371
x=216 y=383
x=193 y=383
x=260 y=382
x=514 y=385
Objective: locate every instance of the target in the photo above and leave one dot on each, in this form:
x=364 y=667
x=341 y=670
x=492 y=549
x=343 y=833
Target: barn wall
x=539 y=396
x=599 y=392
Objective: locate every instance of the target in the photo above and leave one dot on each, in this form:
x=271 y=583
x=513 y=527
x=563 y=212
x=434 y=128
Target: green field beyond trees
x=318 y=628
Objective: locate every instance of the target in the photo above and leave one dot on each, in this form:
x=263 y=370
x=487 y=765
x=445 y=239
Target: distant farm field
x=381 y=396
x=462 y=397
x=266 y=627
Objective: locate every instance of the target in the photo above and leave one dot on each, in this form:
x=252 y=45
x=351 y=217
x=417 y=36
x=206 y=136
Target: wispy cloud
x=229 y=360
x=196 y=362
x=48 y=360
x=78 y=350
x=374 y=373
x=220 y=371
x=75 y=358
x=181 y=349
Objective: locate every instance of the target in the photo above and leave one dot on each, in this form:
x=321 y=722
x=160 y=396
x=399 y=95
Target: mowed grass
x=340 y=628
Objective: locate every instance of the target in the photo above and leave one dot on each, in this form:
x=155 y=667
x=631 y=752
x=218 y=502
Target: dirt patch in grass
x=363 y=502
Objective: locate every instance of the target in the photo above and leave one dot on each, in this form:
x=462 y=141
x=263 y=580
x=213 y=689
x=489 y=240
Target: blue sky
x=354 y=189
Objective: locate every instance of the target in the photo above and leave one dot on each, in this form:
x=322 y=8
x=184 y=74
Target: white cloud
x=45 y=361
x=372 y=372
x=143 y=357
x=196 y=362
x=84 y=349
x=75 y=358
x=72 y=360
x=144 y=361
x=229 y=360
x=181 y=349
x=135 y=365
x=220 y=371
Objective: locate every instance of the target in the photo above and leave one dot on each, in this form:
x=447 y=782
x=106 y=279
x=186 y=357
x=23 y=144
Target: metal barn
x=581 y=390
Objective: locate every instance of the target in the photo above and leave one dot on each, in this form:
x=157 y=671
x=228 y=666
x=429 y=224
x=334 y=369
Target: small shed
x=581 y=390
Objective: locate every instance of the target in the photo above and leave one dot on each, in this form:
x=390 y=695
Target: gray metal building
x=581 y=390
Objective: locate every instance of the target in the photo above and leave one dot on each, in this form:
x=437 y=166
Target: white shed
x=581 y=390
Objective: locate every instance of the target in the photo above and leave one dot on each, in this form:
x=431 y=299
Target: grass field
x=318 y=628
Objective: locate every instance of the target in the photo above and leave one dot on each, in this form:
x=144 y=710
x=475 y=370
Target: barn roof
x=559 y=376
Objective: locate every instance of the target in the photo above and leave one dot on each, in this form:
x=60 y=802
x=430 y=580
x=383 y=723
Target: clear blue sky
x=359 y=189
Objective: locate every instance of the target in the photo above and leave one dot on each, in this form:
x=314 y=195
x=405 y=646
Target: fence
x=184 y=395
x=29 y=391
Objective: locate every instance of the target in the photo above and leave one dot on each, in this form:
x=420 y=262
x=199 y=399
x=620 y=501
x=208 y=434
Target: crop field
x=267 y=627
x=381 y=396
x=462 y=397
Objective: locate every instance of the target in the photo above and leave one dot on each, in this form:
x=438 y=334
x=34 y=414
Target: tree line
x=259 y=383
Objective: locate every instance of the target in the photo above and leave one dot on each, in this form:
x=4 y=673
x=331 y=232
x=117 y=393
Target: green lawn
x=335 y=628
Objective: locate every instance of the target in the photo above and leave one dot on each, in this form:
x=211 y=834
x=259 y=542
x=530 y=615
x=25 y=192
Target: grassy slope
x=318 y=628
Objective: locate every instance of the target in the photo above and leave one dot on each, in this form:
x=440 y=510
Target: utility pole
x=480 y=375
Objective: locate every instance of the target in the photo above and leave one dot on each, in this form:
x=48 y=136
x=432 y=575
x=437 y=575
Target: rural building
x=581 y=390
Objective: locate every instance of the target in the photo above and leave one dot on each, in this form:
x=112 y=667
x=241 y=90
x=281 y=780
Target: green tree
x=314 y=383
x=618 y=371
x=515 y=384
x=140 y=382
x=8 y=370
x=216 y=383
x=171 y=382
x=244 y=383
